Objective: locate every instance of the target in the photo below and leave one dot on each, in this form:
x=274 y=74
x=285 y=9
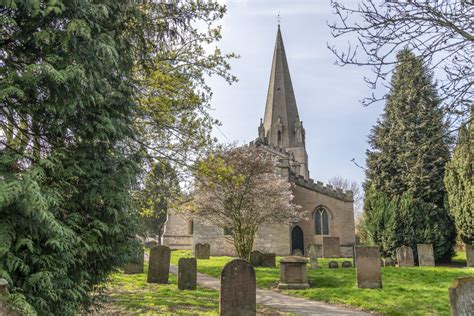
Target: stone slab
x=293 y=273
x=405 y=257
x=187 y=274
x=331 y=247
x=159 y=265
x=461 y=297
x=425 y=255
x=238 y=292
x=368 y=268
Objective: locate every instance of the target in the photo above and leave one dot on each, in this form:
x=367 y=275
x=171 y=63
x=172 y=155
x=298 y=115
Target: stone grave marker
x=202 y=250
x=470 y=255
x=159 y=264
x=333 y=265
x=187 y=274
x=368 y=269
x=256 y=258
x=268 y=260
x=389 y=262
x=461 y=296
x=346 y=264
x=297 y=252
x=238 y=294
x=331 y=247
x=425 y=255
x=312 y=253
x=135 y=266
x=405 y=257
x=293 y=273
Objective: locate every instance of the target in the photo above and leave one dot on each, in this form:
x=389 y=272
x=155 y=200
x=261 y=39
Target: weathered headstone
x=256 y=258
x=425 y=255
x=346 y=264
x=405 y=257
x=187 y=274
x=135 y=266
x=268 y=260
x=368 y=269
x=470 y=255
x=312 y=253
x=238 y=295
x=159 y=264
x=202 y=250
x=461 y=297
x=333 y=265
x=293 y=273
x=297 y=252
x=389 y=262
x=331 y=247
x=151 y=243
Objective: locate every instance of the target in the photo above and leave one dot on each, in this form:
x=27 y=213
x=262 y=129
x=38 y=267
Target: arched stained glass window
x=317 y=219
x=325 y=222
x=321 y=222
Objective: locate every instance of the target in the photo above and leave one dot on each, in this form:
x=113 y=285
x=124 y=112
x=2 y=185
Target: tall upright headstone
x=470 y=254
x=238 y=295
x=425 y=255
x=312 y=253
x=405 y=257
x=461 y=297
x=368 y=268
x=135 y=265
x=331 y=247
x=159 y=264
x=187 y=274
x=202 y=250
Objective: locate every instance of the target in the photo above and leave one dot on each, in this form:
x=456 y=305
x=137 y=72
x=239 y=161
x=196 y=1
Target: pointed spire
x=281 y=114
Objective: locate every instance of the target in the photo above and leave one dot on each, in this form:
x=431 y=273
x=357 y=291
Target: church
x=329 y=211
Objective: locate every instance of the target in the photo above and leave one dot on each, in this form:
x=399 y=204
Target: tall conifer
x=407 y=159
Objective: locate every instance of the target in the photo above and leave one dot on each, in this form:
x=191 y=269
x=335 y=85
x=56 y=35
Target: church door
x=297 y=239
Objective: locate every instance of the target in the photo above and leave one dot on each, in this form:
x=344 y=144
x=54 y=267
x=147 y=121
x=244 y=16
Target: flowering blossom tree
x=238 y=190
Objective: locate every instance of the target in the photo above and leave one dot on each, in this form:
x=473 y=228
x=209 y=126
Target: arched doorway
x=297 y=239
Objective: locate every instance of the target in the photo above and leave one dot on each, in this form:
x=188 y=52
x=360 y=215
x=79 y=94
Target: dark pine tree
x=406 y=164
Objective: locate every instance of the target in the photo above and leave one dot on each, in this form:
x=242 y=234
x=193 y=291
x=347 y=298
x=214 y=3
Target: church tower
x=281 y=125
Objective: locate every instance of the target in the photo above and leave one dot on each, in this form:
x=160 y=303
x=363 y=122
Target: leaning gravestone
x=470 y=255
x=202 y=251
x=256 y=258
x=405 y=257
x=187 y=274
x=331 y=247
x=312 y=253
x=268 y=260
x=425 y=255
x=333 y=265
x=135 y=266
x=238 y=294
x=368 y=269
x=346 y=264
x=461 y=297
x=159 y=265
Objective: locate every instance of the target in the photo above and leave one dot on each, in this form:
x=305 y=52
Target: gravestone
x=187 y=274
x=368 y=269
x=470 y=255
x=238 y=295
x=135 y=266
x=405 y=257
x=346 y=264
x=461 y=296
x=268 y=260
x=425 y=255
x=331 y=247
x=256 y=258
x=151 y=243
x=333 y=265
x=202 y=250
x=159 y=265
x=297 y=252
x=389 y=262
x=312 y=253
x=293 y=273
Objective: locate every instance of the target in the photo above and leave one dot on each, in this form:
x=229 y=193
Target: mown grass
x=406 y=291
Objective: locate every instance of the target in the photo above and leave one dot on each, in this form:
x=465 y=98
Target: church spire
x=281 y=121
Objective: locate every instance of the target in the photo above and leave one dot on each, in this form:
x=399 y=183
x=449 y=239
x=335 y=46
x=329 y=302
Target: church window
x=279 y=138
x=321 y=222
x=190 y=227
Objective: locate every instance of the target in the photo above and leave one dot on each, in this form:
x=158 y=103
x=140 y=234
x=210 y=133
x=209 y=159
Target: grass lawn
x=406 y=291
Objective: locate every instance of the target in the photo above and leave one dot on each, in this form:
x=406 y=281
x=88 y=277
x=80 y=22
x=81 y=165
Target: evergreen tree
x=407 y=159
x=459 y=180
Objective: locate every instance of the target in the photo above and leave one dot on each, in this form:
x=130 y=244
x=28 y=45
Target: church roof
x=281 y=102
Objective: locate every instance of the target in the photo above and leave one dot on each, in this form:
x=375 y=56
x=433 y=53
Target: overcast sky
x=328 y=96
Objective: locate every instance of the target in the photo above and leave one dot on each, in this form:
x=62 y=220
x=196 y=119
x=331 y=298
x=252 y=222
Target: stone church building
x=329 y=210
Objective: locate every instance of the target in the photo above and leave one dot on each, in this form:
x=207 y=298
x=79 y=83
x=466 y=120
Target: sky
x=328 y=96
